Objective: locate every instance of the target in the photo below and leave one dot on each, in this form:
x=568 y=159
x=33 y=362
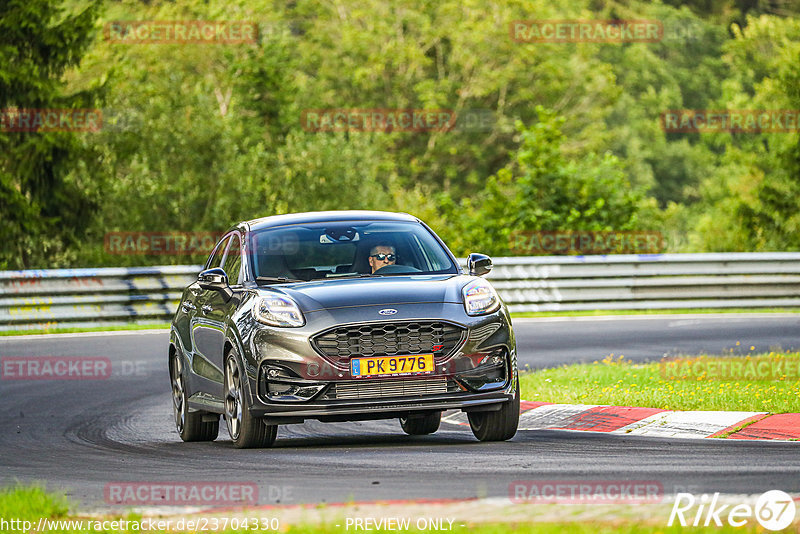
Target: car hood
x=390 y=290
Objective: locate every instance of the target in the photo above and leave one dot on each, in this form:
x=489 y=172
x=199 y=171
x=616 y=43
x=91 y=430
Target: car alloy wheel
x=191 y=425
x=233 y=398
x=246 y=430
x=178 y=395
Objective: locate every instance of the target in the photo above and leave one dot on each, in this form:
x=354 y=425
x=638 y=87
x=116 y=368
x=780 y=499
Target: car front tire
x=190 y=425
x=500 y=425
x=246 y=431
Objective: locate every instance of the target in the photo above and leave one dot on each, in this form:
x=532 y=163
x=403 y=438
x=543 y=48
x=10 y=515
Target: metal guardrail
x=91 y=297
x=97 y=297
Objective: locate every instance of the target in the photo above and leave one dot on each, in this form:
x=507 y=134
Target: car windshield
x=347 y=249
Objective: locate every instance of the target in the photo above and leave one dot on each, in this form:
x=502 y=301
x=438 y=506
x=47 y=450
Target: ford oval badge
x=387 y=311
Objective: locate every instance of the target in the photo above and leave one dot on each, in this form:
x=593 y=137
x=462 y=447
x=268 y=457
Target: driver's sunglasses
x=383 y=257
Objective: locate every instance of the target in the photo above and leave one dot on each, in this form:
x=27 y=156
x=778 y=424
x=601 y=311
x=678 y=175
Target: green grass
x=30 y=502
x=595 y=527
x=33 y=503
x=595 y=313
x=619 y=382
x=66 y=330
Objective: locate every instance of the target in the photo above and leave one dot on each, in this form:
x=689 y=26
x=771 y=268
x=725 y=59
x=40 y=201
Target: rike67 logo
x=774 y=510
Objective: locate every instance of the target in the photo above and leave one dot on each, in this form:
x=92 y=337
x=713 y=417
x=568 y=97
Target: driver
x=381 y=256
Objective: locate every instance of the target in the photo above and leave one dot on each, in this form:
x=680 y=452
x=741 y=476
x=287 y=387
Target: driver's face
x=375 y=263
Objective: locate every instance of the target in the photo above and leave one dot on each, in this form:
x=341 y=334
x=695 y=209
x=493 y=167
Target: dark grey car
x=288 y=322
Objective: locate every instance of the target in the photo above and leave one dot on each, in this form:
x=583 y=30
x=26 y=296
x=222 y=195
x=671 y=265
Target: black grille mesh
x=408 y=387
x=388 y=339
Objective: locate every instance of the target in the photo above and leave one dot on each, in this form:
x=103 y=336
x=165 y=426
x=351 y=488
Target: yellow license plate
x=392 y=366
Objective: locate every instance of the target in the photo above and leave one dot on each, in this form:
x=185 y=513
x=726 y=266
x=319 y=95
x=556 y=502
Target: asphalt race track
x=79 y=435
x=551 y=342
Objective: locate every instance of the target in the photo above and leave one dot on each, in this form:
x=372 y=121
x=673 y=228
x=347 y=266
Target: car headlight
x=480 y=297
x=278 y=311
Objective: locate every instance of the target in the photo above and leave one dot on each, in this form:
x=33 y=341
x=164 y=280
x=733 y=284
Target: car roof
x=327 y=216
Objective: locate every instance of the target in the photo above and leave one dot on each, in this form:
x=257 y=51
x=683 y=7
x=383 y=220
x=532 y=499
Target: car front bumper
x=380 y=408
x=296 y=358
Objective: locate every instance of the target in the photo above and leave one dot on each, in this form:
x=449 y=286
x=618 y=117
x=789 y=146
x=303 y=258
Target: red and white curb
x=652 y=421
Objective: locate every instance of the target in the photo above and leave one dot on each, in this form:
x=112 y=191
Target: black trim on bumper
x=381 y=406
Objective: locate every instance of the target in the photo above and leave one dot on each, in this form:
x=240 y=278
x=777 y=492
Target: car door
x=213 y=310
x=202 y=334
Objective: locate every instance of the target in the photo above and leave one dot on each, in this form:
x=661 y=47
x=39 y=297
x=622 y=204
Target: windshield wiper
x=276 y=279
x=350 y=276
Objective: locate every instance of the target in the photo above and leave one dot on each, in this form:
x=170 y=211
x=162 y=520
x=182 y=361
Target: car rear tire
x=246 y=431
x=420 y=426
x=190 y=425
x=499 y=425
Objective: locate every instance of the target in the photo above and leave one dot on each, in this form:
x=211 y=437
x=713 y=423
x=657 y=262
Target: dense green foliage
x=44 y=203
x=197 y=136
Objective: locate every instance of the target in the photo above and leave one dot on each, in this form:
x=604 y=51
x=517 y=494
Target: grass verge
x=28 y=502
x=619 y=382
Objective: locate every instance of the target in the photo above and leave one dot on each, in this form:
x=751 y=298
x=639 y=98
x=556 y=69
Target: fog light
x=282 y=392
x=489 y=374
x=280 y=385
x=492 y=360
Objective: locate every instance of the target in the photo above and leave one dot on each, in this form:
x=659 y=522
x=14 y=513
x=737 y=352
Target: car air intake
x=377 y=389
x=388 y=339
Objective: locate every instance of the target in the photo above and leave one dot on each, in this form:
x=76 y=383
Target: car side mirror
x=216 y=280
x=479 y=264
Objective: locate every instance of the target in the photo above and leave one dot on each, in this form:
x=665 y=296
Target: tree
x=752 y=199
x=541 y=189
x=44 y=206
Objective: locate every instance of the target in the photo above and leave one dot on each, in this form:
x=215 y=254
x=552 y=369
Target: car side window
x=216 y=257
x=434 y=259
x=233 y=260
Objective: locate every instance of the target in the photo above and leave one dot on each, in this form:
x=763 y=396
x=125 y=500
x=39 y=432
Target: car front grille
x=376 y=389
x=342 y=343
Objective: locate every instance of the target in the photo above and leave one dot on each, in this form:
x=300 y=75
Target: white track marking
x=456 y=418
x=551 y=416
x=699 y=424
x=86 y=334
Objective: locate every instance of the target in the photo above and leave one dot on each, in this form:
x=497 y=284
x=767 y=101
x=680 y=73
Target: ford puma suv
x=340 y=316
